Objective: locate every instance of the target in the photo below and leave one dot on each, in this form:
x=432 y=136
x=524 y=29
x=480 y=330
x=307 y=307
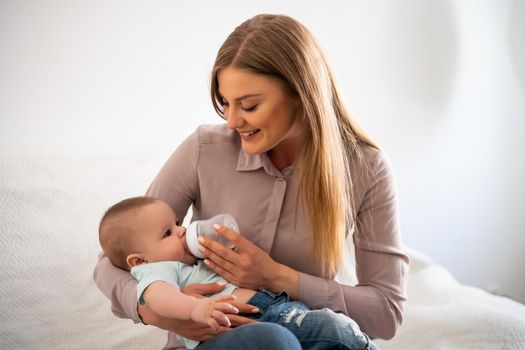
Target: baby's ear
x=135 y=259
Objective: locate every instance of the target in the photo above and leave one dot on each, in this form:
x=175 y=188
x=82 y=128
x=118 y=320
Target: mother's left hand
x=246 y=265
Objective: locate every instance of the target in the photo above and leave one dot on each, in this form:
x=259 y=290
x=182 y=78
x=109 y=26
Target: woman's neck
x=285 y=153
x=279 y=163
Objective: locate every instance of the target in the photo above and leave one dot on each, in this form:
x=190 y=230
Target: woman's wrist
x=285 y=279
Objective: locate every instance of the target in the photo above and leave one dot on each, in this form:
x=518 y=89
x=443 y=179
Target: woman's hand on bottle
x=191 y=329
x=247 y=265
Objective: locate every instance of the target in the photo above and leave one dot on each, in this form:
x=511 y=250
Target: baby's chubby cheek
x=189 y=257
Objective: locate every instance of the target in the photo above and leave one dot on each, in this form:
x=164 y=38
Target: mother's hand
x=191 y=329
x=247 y=265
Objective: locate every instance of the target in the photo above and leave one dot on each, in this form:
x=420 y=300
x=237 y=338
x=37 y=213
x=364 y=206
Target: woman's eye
x=167 y=234
x=250 y=109
x=222 y=102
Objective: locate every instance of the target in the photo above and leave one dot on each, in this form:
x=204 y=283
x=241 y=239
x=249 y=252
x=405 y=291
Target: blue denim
x=315 y=329
x=254 y=336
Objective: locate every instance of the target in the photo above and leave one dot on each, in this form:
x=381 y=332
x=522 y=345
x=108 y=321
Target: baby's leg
x=319 y=329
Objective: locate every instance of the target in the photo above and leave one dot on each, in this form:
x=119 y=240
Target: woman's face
x=260 y=110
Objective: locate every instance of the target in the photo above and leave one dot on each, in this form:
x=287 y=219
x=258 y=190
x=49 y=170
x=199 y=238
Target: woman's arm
x=376 y=302
x=119 y=287
x=376 y=305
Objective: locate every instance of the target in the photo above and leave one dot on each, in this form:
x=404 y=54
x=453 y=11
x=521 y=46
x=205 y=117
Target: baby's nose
x=181 y=232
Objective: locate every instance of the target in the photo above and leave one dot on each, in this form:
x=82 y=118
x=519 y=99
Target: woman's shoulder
x=370 y=165
x=369 y=157
x=215 y=134
x=374 y=157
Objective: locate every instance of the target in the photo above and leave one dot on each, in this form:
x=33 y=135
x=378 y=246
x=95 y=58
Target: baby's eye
x=178 y=223
x=167 y=234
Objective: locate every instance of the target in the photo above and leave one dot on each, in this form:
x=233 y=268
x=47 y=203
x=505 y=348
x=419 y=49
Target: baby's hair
x=113 y=234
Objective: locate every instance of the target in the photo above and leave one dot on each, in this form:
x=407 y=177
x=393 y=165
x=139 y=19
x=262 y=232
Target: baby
x=142 y=235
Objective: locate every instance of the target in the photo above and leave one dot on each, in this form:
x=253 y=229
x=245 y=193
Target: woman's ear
x=135 y=259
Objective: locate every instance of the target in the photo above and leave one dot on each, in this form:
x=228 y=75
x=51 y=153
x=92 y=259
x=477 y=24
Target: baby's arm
x=168 y=301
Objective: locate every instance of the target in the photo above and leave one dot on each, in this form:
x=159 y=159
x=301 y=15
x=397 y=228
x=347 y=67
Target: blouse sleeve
x=119 y=287
x=376 y=302
x=177 y=181
x=175 y=184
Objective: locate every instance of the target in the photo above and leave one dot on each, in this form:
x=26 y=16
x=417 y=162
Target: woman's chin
x=251 y=149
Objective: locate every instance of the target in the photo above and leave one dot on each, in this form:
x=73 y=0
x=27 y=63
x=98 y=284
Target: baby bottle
x=204 y=228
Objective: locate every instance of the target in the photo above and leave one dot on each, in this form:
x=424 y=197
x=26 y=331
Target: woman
x=299 y=176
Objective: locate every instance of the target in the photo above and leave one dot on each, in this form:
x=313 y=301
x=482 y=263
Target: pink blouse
x=210 y=171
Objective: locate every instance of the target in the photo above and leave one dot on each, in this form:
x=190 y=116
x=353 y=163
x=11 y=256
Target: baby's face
x=161 y=238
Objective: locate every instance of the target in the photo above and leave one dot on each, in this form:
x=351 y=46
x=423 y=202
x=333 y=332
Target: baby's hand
x=211 y=311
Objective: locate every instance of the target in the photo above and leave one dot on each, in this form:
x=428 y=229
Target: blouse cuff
x=317 y=292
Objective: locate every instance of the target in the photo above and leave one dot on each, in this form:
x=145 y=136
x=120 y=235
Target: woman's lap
x=255 y=336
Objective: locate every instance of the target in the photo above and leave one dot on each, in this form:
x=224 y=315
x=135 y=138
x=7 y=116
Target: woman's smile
x=249 y=135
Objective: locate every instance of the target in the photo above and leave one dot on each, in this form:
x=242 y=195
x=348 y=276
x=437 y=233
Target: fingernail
x=201 y=248
x=202 y=240
x=220 y=283
x=255 y=309
x=216 y=226
x=206 y=261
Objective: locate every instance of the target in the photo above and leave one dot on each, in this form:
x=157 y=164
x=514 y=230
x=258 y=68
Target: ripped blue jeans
x=315 y=329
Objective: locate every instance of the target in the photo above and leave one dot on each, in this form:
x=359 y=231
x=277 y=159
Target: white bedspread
x=50 y=206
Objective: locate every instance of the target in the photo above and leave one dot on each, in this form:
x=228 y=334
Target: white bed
x=50 y=207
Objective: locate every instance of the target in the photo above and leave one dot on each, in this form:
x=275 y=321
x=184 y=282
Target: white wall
x=439 y=84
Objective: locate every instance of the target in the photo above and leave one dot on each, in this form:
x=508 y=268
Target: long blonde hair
x=280 y=47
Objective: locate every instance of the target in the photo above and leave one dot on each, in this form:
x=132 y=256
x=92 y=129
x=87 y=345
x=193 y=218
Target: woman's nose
x=233 y=119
